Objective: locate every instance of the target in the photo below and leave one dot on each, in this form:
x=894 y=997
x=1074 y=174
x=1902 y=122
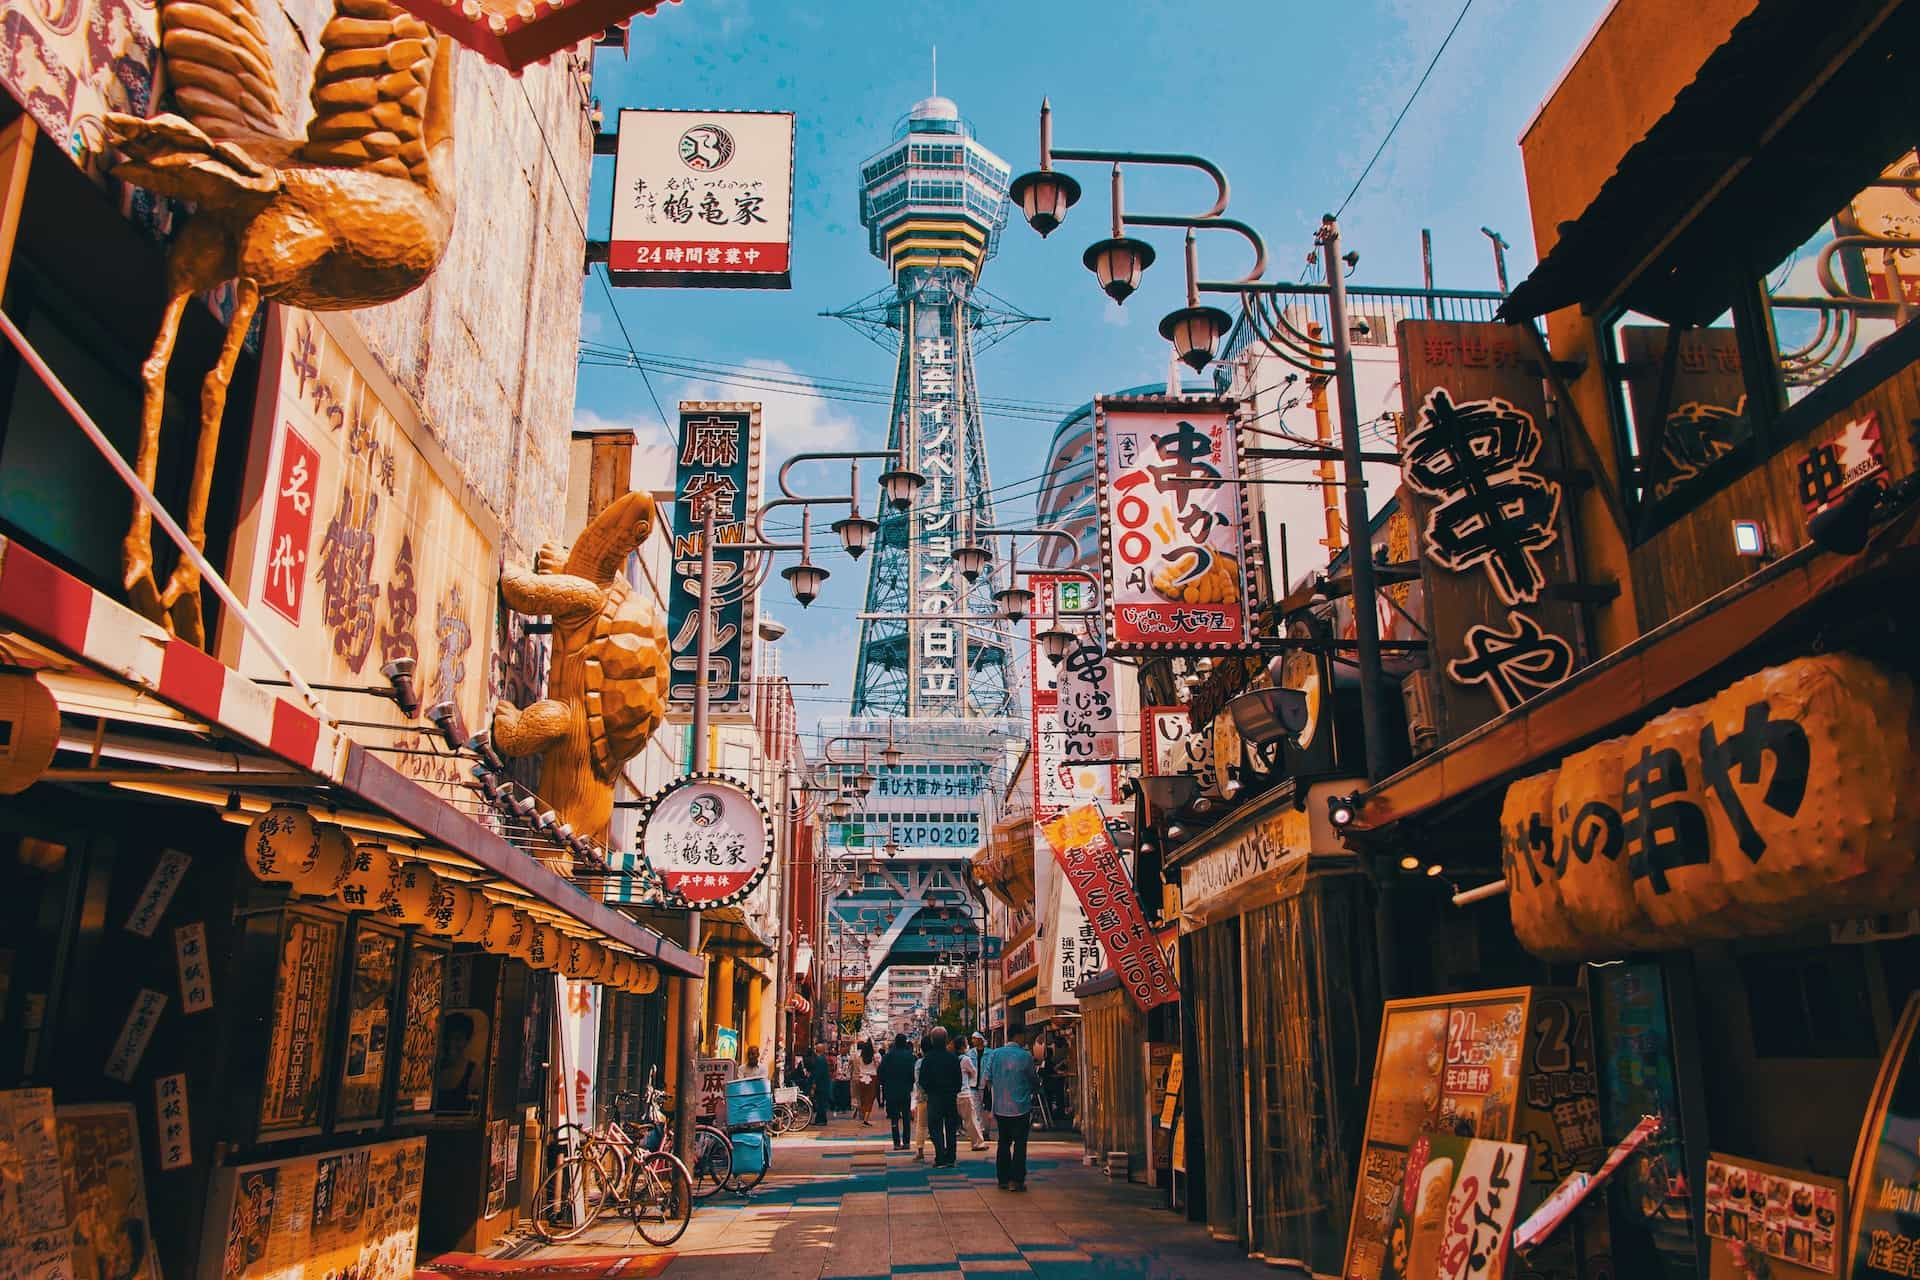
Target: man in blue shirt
x=1012 y=1079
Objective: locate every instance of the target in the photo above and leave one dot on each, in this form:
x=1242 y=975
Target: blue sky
x=1289 y=97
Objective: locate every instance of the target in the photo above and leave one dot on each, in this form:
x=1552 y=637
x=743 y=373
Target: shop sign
x=717 y=470
x=1706 y=417
x=1884 y=1228
x=190 y=955
x=1086 y=853
x=1478 y=459
x=1756 y=1209
x=158 y=893
x=1277 y=845
x=143 y=1019
x=703 y=199
x=172 y=1121
x=711 y=1076
x=354 y=1212
x=290 y=1094
x=1021 y=960
x=1075 y=709
x=1454 y=1218
x=1828 y=472
x=1791 y=798
x=69 y=65
x=708 y=838
x=576 y=1028
x=367 y=548
x=1887 y=209
x=1173 y=524
x=1170 y=746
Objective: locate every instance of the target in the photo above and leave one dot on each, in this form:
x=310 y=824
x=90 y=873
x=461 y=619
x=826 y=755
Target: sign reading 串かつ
x=1172 y=524
x=708 y=838
x=718 y=472
x=703 y=198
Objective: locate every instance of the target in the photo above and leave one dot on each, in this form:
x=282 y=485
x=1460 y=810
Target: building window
x=1810 y=1003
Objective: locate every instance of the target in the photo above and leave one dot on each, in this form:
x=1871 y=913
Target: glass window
x=1677 y=423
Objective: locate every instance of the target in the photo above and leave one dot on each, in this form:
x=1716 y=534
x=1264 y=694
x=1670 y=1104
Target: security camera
x=1361 y=328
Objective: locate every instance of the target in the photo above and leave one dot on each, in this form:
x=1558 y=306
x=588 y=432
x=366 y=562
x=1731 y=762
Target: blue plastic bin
x=749 y=1101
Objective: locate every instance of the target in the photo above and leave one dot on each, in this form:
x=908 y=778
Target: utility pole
x=692 y=997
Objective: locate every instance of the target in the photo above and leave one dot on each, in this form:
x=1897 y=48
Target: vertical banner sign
x=703 y=199
x=1477 y=459
x=1173 y=524
x=1086 y=853
x=1075 y=708
x=717 y=470
x=578 y=1031
x=937 y=663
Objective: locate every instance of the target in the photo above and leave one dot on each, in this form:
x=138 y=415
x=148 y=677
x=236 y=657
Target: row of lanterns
x=285 y=845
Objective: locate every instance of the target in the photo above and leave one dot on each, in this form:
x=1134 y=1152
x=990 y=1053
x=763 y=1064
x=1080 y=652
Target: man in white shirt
x=970 y=1092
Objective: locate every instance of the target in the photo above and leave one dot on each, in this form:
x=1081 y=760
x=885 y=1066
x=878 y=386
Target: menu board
x=1885 y=1226
x=1789 y=1216
x=420 y=1029
x=297 y=1050
x=376 y=971
x=347 y=1213
x=1513 y=1065
x=1453 y=1216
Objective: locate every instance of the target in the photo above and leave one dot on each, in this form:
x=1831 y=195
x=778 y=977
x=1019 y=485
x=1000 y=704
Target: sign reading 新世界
x=703 y=199
x=1086 y=854
x=1478 y=465
x=717 y=471
x=1173 y=530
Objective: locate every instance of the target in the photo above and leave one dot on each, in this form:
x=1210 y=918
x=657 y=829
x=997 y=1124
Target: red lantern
x=518 y=33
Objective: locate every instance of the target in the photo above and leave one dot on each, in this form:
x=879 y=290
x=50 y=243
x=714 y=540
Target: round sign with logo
x=708 y=838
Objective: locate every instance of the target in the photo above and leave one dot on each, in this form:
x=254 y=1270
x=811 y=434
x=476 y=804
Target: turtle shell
x=626 y=665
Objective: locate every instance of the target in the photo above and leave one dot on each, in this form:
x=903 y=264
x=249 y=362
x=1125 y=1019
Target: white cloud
x=793 y=420
x=646 y=430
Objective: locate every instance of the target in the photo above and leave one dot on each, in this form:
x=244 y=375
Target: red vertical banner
x=292 y=534
x=1087 y=855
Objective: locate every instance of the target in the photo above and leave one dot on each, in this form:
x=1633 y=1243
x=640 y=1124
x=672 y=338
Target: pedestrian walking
x=920 y=1100
x=896 y=1089
x=970 y=1093
x=866 y=1070
x=941 y=1079
x=820 y=1082
x=1012 y=1081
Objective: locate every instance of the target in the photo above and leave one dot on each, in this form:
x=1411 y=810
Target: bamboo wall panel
x=1113 y=1034
x=1220 y=1075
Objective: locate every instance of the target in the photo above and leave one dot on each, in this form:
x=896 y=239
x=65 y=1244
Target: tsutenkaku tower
x=933 y=202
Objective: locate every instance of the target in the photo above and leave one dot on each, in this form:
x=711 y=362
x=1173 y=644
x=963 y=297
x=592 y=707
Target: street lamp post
x=693 y=996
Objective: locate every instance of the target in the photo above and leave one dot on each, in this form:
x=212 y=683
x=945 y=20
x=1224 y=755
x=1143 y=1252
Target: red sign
x=1173 y=528
x=1086 y=853
x=292 y=525
x=708 y=838
x=690 y=254
x=1832 y=470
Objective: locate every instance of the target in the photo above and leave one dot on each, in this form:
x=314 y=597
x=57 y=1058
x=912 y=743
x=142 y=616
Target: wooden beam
x=16 y=158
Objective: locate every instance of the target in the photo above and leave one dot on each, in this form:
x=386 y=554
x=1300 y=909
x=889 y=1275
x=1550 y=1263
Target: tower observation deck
x=934 y=202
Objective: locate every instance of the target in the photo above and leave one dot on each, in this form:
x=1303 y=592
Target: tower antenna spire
x=936 y=70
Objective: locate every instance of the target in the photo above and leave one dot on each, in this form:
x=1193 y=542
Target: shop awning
x=724 y=931
x=1790 y=118
x=171 y=721
x=1653 y=669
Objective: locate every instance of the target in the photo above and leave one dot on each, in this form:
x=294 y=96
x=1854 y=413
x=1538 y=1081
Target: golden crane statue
x=357 y=212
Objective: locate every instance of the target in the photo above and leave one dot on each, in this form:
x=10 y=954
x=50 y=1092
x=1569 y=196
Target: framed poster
x=1453 y=1219
x=498 y=1134
x=460 y=1067
x=347 y=1213
x=302 y=1003
x=108 y=1227
x=1793 y=1218
x=420 y=1028
x=373 y=976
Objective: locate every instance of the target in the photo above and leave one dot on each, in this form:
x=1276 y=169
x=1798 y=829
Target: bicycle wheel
x=569 y=1200
x=662 y=1202
x=744 y=1182
x=712 y=1161
x=802 y=1116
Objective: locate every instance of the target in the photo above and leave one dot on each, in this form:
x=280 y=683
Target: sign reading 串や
x=717 y=471
x=703 y=199
x=1477 y=461
x=708 y=838
x=1173 y=529
x=1086 y=853
x=937 y=591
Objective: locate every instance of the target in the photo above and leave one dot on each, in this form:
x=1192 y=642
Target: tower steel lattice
x=934 y=202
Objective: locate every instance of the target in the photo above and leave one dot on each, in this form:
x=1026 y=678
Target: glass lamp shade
x=1117 y=264
x=856 y=534
x=840 y=810
x=971 y=560
x=1044 y=196
x=1057 y=643
x=899 y=486
x=1195 y=333
x=863 y=782
x=1170 y=792
x=805 y=579
x=1014 y=602
x=893 y=757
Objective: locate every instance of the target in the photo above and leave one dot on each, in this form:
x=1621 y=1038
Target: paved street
x=840 y=1206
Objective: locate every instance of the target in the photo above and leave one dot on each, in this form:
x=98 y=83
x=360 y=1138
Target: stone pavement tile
x=997 y=1267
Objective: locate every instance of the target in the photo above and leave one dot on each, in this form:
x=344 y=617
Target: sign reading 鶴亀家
x=708 y=838
x=1173 y=523
x=1478 y=461
x=718 y=471
x=1086 y=854
x=703 y=199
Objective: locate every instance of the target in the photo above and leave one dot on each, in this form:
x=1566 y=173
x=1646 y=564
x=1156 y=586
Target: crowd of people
x=948 y=1085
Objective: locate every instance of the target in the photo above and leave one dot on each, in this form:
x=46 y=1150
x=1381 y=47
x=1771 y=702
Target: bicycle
x=792 y=1111
x=712 y=1168
x=595 y=1169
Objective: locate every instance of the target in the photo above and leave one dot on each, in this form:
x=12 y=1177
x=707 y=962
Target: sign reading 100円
x=708 y=838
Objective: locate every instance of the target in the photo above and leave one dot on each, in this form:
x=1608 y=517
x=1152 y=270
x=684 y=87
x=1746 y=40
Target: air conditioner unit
x=1423 y=712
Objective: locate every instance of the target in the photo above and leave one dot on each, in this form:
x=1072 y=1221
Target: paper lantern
x=329 y=871
x=475 y=929
x=282 y=844
x=1539 y=912
x=580 y=959
x=544 y=953
x=501 y=934
x=1660 y=763
x=450 y=908
x=645 y=980
x=619 y=968
x=1590 y=853
x=368 y=876
x=31 y=717
x=409 y=894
